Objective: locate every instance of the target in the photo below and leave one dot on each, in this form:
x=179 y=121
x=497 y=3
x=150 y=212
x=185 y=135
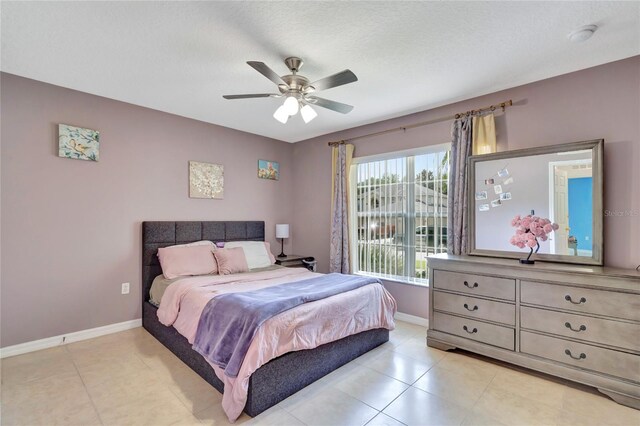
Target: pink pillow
x=187 y=260
x=231 y=260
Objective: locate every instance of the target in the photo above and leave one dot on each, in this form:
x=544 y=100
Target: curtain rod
x=478 y=111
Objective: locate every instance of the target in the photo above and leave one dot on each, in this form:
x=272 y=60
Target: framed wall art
x=268 y=170
x=206 y=180
x=78 y=143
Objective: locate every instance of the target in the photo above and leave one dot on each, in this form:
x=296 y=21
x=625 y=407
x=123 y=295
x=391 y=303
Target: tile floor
x=129 y=378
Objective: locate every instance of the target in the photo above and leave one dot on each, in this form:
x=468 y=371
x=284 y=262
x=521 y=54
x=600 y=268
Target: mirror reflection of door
x=571 y=198
x=560 y=211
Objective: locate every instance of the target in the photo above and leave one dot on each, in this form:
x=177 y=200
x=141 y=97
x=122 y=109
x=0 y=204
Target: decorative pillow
x=231 y=260
x=255 y=251
x=187 y=260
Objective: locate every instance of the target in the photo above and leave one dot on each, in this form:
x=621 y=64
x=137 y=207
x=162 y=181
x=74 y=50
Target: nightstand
x=291 y=261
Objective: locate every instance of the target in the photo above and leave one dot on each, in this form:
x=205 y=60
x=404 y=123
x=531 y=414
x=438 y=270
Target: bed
x=273 y=381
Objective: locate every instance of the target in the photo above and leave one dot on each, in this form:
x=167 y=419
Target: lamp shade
x=281 y=114
x=291 y=105
x=282 y=231
x=308 y=113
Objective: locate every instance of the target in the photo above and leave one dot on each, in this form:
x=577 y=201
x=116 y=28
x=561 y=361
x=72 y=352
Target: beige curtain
x=484 y=134
x=458 y=184
x=341 y=157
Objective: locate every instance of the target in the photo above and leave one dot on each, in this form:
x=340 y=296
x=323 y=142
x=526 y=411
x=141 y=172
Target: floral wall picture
x=206 y=180
x=268 y=170
x=78 y=143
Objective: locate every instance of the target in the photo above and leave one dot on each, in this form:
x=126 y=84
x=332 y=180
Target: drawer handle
x=582 y=300
x=471 y=286
x=475 y=307
x=475 y=330
x=577 y=330
x=582 y=355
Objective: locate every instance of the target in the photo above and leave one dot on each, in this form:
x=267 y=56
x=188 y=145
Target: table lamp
x=282 y=232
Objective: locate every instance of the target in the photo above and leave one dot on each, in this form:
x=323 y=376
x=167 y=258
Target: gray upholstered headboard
x=163 y=234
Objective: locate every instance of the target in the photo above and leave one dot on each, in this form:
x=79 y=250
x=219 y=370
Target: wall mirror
x=562 y=183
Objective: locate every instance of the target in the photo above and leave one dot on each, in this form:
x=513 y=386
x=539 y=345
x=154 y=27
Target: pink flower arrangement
x=529 y=229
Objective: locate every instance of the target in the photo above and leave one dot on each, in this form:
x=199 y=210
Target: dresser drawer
x=595 y=330
x=619 y=305
x=606 y=361
x=484 y=332
x=474 y=307
x=478 y=285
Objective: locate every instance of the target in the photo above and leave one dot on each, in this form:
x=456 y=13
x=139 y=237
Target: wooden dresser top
x=539 y=266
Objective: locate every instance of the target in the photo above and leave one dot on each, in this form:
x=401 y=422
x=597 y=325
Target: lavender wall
x=600 y=102
x=71 y=229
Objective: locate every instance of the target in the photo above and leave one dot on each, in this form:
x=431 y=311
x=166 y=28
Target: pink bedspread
x=304 y=327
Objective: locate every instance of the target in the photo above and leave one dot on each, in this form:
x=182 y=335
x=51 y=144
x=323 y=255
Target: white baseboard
x=412 y=319
x=78 y=336
x=63 y=339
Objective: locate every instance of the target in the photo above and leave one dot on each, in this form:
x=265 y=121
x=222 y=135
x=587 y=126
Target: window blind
x=399 y=212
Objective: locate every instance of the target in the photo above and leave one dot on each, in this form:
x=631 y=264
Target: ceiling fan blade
x=263 y=69
x=335 y=80
x=332 y=105
x=252 y=95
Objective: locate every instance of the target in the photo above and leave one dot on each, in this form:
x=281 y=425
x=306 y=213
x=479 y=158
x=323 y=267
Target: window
x=399 y=212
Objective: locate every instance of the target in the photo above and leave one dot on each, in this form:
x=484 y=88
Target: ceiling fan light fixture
x=297 y=89
x=308 y=113
x=291 y=105
x=281 y=114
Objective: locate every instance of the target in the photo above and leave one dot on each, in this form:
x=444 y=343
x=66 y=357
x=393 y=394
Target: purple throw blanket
x=229 y=322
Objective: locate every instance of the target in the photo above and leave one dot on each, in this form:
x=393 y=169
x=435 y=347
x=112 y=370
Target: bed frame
x=279 y=378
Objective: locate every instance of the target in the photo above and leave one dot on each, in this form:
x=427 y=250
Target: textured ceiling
x=181 y=57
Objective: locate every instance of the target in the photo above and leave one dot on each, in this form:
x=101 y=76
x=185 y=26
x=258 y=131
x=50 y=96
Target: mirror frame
x=597 y=148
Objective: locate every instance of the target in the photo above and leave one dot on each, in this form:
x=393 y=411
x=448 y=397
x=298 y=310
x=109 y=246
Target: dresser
x=581 y=323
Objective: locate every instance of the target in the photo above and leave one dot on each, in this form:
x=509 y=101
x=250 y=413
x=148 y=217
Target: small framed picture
x=268 y=170
x=496 y=203
x=505 y=196
x=481 y=195
x=503 y=173
x=508 y=181
x=498 y=189
x=483 y=207
x=488 y=181
x=78 y=143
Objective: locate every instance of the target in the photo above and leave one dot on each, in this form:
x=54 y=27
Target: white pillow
x=255 y=252
x=197 y=243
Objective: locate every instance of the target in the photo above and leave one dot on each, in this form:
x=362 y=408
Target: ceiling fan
x=299 y=92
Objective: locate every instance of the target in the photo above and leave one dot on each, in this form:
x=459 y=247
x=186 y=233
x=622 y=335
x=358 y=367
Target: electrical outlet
x=125 y=288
